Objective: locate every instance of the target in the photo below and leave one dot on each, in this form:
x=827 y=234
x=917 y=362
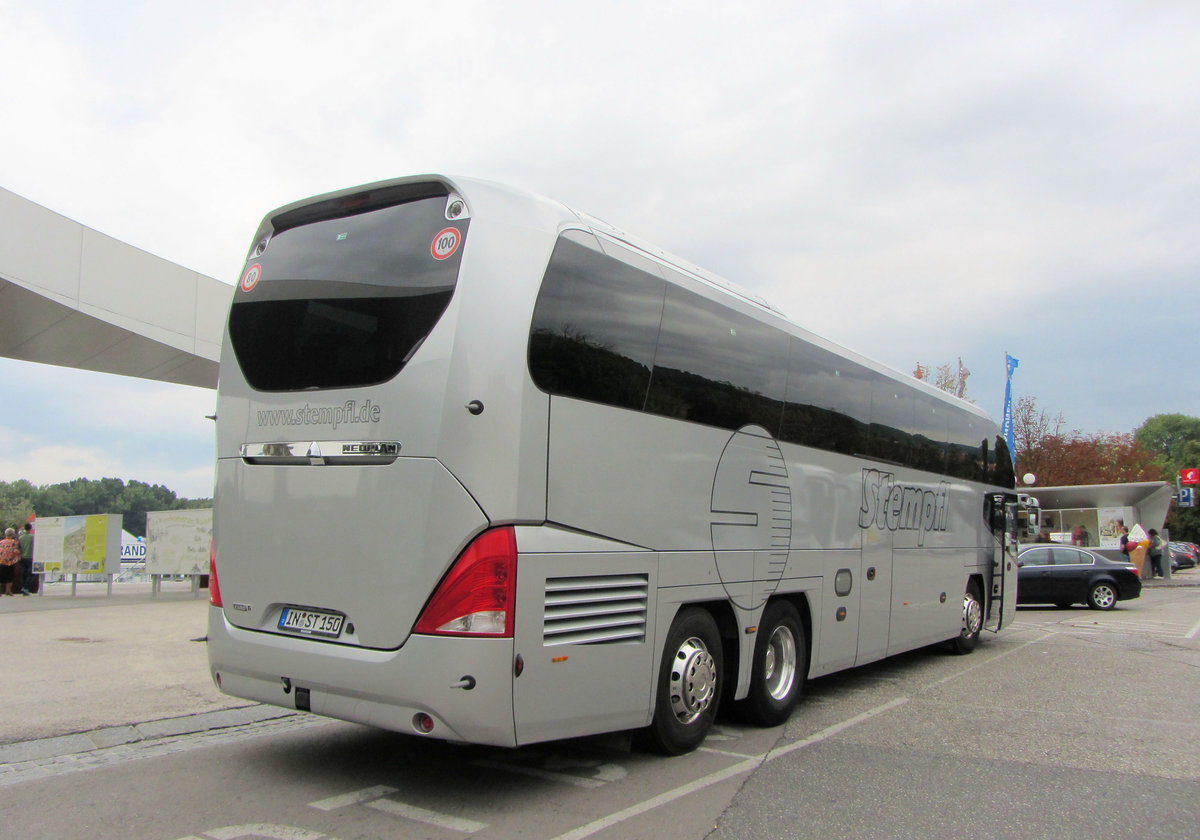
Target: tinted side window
x=1002 y=465
x=717 y=366
x=1037 y=557
x=931 y=424
x=608 y=327
x=967 y=444
x=828 y=401
x=594 y=327
x=891 y=421
x=1071 y=557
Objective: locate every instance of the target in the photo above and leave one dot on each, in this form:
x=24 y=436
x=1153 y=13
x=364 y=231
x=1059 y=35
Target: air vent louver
x=599 y=609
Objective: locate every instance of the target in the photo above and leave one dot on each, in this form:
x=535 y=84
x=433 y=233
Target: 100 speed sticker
x=445 y=243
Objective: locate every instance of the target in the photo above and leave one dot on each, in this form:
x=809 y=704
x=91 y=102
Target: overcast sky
x=916 y=180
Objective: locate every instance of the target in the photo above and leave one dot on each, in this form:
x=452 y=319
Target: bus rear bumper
x=463 y=685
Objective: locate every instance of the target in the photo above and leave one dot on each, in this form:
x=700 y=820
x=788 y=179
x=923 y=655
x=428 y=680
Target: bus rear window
x=294 y=345
x=345 y=302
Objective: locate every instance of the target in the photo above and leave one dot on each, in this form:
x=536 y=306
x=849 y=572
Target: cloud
x=80 y=424
x=42 y=464
x=915 y=181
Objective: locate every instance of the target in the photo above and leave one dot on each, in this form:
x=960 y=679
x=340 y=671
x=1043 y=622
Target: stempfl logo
x=895 y=507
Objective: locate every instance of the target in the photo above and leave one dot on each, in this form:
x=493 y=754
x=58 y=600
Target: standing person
x=1156 y=554
x=25 y=541
x=10 y=556
x=1124 y=539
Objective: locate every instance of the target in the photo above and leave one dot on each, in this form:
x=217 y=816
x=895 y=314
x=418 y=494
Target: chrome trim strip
x=322 y=452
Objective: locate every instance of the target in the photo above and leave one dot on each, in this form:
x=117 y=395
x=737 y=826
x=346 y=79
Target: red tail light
x=214 y=590
x=476 y=597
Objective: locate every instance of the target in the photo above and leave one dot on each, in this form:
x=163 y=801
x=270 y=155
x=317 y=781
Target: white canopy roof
x=74 y=297
x=1151 y=498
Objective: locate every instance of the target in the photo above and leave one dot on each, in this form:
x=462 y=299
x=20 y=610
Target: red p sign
x=1189 y=475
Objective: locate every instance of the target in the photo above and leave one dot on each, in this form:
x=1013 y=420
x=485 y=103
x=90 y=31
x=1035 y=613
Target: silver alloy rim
x=779 y=665
x=1104 y=596
x=972 y=616
x=693 y=680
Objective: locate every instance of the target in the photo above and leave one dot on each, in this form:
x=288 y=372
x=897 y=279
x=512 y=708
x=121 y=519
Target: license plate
x=311 y=622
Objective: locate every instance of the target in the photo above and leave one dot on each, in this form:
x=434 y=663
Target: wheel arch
x=733 y=639
x=976 y=578
x=799 y=600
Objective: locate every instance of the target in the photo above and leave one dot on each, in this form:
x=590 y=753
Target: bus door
x=1004 y=519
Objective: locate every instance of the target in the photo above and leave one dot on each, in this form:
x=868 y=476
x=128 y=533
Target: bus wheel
x=779 y=667
x=689 y=683
x=972 y=621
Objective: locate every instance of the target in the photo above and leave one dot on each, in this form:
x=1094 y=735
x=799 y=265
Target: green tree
x=16 y=503
x=138 y=498
x=84 y=496
x=1169 y=437
x=1175 y=441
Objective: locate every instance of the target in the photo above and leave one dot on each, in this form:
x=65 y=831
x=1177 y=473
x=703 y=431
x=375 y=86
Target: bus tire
x=778 y=669
x=972 y=621
x=689 y=685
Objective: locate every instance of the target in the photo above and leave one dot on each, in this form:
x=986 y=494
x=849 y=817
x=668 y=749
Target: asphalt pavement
x=89 y=670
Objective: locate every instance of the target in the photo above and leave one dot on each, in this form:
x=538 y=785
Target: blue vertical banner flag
x=1007 y=428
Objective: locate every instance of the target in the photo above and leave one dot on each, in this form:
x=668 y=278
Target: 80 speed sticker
x=251 y=277
x=445 y=243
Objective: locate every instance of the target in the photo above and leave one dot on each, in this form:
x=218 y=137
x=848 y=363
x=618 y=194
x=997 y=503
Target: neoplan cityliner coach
x=491 y=470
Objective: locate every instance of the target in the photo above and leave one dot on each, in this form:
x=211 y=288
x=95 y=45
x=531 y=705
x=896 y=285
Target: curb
x=114 y=736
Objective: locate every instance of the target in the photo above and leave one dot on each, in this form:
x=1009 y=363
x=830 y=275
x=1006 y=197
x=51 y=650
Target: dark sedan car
x=1183 y=556
x=1062 y=575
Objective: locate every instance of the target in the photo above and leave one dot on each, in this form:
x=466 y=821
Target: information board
x=178 y=541
x=78 y=545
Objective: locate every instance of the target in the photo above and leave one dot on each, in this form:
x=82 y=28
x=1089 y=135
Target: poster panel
x=48 y=545
x=1110 y=525
x=78 y=545
x=177 y=542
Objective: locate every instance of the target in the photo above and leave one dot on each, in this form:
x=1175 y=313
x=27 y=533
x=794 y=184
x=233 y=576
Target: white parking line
x=726 y=753
x=1170 y=629
x=982 y=663
x=538 y=773
x=266 y=830
x=356 y=797
x=742 y=767
x=662 y=799
x=412 y=812
x=830 y=731
x=372 y=797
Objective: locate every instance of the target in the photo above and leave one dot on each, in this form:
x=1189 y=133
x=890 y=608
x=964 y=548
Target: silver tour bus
x=491 y=470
